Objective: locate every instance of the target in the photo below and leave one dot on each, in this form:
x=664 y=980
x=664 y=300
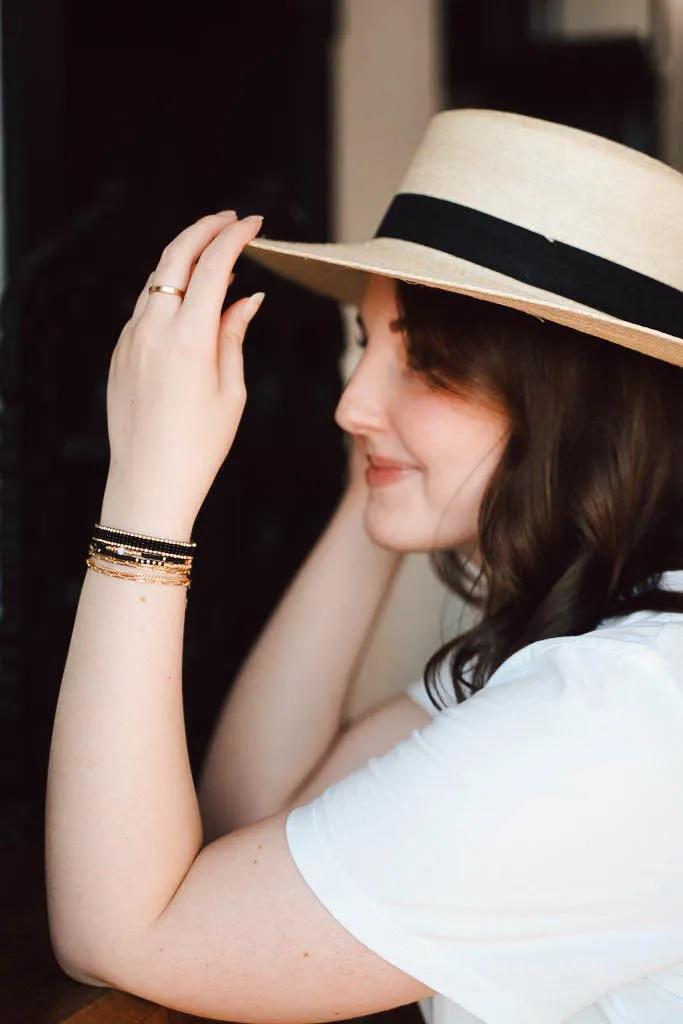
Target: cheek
x=458 y=447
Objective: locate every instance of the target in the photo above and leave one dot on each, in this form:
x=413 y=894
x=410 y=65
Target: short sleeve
x=520 y=855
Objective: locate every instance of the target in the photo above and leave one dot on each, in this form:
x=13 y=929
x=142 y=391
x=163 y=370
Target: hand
x=176 y=390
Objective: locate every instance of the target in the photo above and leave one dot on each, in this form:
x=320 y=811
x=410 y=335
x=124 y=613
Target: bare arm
x=123 y=823
x=373 y=734
x=135 y=900
x=283 y=714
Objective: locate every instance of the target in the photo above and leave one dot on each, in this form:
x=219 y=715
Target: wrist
x=136 y=513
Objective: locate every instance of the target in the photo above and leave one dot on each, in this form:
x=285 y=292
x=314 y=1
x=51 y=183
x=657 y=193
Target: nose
x=363 y=406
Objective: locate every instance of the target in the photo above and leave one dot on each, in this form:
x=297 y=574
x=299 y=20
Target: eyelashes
x=397 y=326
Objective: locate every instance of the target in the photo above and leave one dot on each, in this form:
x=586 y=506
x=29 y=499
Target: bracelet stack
x=137 y=557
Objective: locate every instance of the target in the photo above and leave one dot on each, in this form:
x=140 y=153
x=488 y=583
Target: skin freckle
x=143 y=599
x=307 y=954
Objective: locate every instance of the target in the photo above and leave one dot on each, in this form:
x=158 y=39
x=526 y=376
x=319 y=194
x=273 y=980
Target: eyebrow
x=396 y=326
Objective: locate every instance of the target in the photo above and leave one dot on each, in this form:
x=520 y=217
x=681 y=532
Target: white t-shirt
x=522 y=854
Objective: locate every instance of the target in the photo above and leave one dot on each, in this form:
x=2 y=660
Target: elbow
x=76 y=969
x=73 y=961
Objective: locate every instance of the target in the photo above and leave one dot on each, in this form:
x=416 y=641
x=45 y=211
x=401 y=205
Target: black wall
x=493 y=59
x=123 y=124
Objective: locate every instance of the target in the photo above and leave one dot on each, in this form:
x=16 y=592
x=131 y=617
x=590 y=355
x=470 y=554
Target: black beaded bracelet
x=144 y=556
x=109 y=535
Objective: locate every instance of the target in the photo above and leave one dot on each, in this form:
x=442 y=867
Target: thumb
x=231 y=332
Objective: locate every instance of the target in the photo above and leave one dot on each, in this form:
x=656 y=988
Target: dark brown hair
x=584 y=512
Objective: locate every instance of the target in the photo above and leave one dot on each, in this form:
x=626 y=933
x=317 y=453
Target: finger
x=144 y=297
x=206 y=290
x=141 y=303
x=233 y=327
x=176 y=263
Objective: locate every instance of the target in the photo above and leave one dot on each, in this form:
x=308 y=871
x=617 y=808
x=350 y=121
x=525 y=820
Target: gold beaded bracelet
x=144 y=559
x=117 y=546
x=170 y=570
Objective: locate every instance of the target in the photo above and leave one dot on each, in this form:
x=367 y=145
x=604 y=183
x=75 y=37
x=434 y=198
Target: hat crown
x=550 y=220
x=562 y=183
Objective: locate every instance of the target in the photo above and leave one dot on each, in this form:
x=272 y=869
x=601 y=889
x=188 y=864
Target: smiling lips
x=382 y=472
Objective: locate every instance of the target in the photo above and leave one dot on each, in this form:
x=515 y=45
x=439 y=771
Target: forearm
x=123 y=823
x=284 y=709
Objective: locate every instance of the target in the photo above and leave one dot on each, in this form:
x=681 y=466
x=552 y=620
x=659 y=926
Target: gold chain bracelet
x=138 y=577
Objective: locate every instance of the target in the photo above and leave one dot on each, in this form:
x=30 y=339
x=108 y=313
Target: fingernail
x=228 y=213
x=231 y=279
x=252 y=306
x=253 y=219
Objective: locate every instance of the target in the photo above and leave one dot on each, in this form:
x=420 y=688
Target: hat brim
x=339 y=270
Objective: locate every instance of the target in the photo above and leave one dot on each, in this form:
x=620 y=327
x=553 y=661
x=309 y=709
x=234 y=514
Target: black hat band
x=533 y=259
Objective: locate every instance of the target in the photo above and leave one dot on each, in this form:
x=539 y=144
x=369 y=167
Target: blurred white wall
x=387 y=88
x=388 y=84
x=660 y=21
x=601 y=17
x=668 y=34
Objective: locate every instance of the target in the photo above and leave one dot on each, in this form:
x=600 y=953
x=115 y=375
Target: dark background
x=121 y=131
x=123 y=123
x=604 y=85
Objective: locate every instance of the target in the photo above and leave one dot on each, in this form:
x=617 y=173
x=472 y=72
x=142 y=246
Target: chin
x=395 y=535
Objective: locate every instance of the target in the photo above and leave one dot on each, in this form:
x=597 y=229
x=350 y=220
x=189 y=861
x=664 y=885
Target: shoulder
x=643 y=645
x=615 y=693
x=618 y=687
x=634 y=660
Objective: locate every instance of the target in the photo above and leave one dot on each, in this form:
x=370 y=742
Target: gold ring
x=167 y=289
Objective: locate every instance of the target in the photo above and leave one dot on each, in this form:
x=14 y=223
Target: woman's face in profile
x=430 y=454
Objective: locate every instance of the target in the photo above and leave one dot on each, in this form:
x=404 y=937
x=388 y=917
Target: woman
x=502 y=842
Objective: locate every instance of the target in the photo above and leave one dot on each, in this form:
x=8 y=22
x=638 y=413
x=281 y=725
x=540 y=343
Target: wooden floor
x=34 y=989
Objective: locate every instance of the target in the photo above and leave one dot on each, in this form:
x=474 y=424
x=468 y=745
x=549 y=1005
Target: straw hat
x=554 y=221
